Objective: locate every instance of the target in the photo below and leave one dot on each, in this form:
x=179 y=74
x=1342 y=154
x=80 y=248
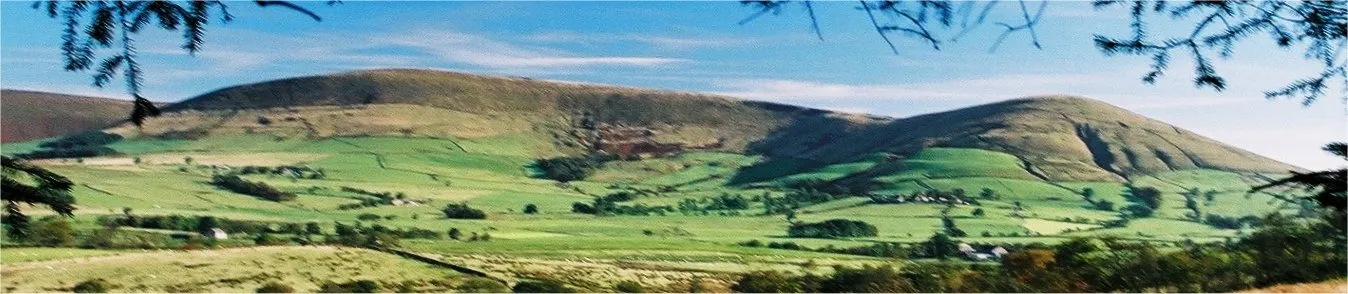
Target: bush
x=579 y=207
x=462 y=211
x=482 y=285
x=767 y=282
x=530 y=208
x=832 y=229
x=360 y=286
x=369 y=217
x=1104 y=205
x=866 y=279
x=92 y=286
x=541 y=286
x=629 y=287
x=53 y=233
x=566 y=169
x=81 y=151
x=92 y=138
x=275 y=287
x=261 y=190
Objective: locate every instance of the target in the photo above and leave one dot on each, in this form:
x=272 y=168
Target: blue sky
x=698 y=46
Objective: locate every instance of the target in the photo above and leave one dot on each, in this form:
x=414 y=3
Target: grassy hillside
x=442 y=139
x=31 y=115
x=1057 y=138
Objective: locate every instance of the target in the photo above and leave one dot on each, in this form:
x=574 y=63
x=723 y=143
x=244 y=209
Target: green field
x=493 y=174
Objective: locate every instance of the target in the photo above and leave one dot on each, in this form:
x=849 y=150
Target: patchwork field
x=1015 y=173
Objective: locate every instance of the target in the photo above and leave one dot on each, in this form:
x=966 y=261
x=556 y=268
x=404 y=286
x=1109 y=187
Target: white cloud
x=661 y=42
x=486 y=52
x=980 y=89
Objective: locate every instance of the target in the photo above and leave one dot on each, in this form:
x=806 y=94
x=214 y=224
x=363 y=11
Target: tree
x=1148 y=196
x=766 y=282
x=1330 y=187
x=1321 y=27
x=1088 y=194
x=1316 y=26
x=940 y=246
x=455 y=234
x=53 y=233
x=832 y=228
x=978 y=212
x=578 y=207
x=530 y=208
x=369 y=217
x=987 y=194
x=115 y=24
x=462 y=211
x=313 y=228
x=866 y=279
x=1104 y=205
x=21 y=182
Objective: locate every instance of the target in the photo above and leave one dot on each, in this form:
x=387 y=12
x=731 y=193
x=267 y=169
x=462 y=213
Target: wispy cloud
x=662 y=42
x=487 y=52
x=980 y=89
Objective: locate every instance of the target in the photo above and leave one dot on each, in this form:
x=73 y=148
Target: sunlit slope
x=1058 y=138
x=409 y=102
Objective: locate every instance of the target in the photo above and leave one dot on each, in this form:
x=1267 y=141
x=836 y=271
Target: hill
x=1055 y=138
x=1059 y=138
x=31 y=115
x=711 y=177
x=447 y=104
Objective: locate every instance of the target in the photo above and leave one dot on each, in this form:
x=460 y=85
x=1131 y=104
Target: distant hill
x=31 y=115
x=1060 y=138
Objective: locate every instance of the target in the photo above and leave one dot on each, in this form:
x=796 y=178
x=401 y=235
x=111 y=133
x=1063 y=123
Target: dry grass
x=1335 y=286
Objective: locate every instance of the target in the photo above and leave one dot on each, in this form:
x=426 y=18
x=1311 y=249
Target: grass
x=222 y=270
x=493 y=176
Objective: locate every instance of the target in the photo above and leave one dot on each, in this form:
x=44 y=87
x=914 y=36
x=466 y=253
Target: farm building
x=218 y=234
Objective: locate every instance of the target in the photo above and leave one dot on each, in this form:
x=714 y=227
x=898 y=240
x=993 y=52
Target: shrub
x=454 y=233
x=462 y=211
x=541 y=286
x=1105 y=205
x=530 y=208
x=275 y=287
x=54 y=233
x=629 y=287
x=481 y=285
x=866 y=279
x=360 y=286
x=766 y=282
x=259 y=189
x=369 y=217
x=92 y=138
x=579 y=207
x=566 y=169
x=92 y=286
x=832 y=229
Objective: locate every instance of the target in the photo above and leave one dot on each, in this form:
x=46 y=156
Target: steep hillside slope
x=1054 y=138
x=409 y=102
x=1059 y=138
x=31 y=115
